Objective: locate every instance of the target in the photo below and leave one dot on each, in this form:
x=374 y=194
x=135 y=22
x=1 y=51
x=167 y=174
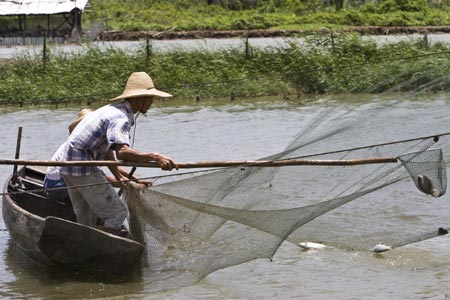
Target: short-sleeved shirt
x=95 y=135
x=52 y=172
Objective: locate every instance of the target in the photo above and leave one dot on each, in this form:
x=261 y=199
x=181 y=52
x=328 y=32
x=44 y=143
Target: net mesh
x=194 y=224
x=427 y=169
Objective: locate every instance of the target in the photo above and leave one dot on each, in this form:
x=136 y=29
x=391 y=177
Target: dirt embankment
x=119 y=35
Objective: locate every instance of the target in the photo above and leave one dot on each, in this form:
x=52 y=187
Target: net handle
x=206 y=164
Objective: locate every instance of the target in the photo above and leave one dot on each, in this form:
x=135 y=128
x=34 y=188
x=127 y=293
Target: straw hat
x=140 y=84
x=81 y=115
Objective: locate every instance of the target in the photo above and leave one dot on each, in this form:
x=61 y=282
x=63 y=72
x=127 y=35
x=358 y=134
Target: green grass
x=310 y=27
x=338 y=64
x=154 y=15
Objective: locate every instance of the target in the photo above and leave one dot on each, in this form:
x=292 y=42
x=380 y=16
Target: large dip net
x=199 y=222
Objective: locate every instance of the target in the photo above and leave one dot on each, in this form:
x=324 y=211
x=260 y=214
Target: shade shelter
x=41 y=17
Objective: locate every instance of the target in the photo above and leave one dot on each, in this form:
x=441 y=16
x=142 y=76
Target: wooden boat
x=43 y=226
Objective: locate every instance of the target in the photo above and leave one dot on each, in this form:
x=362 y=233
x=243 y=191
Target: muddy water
x=239 y=130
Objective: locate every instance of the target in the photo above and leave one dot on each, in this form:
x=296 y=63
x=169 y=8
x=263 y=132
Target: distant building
x=38 y=18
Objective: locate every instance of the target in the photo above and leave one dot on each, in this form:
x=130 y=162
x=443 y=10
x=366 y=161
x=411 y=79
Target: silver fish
x=424 y=184
x=313 y=246
x=381 y=248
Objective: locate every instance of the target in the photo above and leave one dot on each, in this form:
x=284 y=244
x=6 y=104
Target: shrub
x=404 y=5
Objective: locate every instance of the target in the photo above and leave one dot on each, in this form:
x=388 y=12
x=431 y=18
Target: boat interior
x=27 y=191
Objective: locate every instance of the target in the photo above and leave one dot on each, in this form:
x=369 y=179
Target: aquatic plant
x=322 y=64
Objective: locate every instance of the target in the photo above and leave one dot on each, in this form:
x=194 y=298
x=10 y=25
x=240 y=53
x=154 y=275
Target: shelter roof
x=39 y=7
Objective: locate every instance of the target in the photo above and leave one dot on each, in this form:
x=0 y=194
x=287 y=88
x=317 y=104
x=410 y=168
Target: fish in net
x=196 y=223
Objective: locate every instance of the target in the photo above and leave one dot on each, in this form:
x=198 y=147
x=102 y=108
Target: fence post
x=332 y=41
x=148 y=50
x=247 y=48
x=425 y=40
x=44 y=52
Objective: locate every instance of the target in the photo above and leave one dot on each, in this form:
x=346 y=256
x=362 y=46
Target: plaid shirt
x=95 y=135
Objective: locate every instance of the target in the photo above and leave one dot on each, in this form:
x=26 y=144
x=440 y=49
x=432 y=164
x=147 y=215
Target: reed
x=324 y=64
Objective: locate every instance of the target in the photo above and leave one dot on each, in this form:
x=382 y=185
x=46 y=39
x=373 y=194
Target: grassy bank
x=136 y=15
x=338 y=64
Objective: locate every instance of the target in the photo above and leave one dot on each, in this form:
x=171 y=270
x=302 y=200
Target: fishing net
x=196 y=223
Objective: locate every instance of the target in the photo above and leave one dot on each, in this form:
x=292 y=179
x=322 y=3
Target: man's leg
x=79 y=204
x=100 y=198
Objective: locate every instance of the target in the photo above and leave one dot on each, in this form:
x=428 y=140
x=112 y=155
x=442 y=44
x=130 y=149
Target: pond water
x=200 y=44
x=244 y=130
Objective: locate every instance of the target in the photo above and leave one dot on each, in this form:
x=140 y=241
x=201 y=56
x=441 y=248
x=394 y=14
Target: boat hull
x=24 y=229
x=46 y=232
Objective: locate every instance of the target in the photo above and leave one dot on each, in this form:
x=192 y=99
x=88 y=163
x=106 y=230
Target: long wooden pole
x=206 y=164
x=19 y=141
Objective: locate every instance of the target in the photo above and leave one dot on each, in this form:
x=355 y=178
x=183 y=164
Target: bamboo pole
x=205 y=164
x=19 y=141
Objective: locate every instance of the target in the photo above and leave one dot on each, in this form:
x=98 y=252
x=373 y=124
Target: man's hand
x=164 y=162
x=125 y=152
x=118 y=183
x=140 y=184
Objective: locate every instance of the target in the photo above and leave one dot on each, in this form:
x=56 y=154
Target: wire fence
x=89 y=99
x=28 y=40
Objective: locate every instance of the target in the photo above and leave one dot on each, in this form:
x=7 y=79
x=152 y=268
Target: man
x=96 y=137
x=53 y=178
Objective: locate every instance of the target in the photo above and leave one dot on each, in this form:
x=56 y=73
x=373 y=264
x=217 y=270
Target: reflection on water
x=235 y=131
x=27 y=279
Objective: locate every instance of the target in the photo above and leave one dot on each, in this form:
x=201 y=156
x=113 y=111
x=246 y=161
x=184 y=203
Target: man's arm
x=125 y=152
x=118 y=176
x=114 y=169
x=138 y=183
